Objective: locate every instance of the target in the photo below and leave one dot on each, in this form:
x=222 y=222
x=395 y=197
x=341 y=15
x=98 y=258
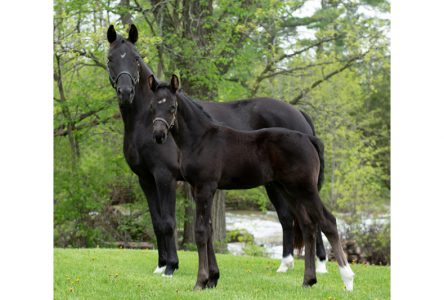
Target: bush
x=374 y=241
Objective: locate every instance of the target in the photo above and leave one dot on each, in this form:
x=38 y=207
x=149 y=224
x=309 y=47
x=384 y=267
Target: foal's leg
x=149 y=188
x=166 y=188
x=212 y=263
x=203 y=194
x=321 y=262
x=306 y=205
x=308 y=232
x=286 y=219
x=328 y=226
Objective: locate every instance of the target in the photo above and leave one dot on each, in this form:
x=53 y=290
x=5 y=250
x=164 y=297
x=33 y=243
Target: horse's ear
x=133 y=34
x=152 y=83
x=111 y=34
x=174 y=83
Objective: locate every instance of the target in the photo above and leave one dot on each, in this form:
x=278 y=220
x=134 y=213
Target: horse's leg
x=329 y=227
x=286 y=219
x=166 y=189
x=212 y=263
x=321 y=261
x=149 y=188
x=203 y=195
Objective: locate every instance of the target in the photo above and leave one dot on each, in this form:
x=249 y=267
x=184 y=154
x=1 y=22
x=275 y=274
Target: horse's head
x=123 y=64
x=163 y=106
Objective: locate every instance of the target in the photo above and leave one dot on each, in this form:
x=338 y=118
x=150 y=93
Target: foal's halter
x=173 y=120
x=134 y=79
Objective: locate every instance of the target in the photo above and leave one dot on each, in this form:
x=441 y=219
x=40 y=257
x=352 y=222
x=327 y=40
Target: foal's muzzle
x=160 y=132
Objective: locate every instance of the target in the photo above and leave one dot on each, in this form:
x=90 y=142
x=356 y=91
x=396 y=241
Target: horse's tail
x=309 y=121
x=298 y=241
x=320 y=148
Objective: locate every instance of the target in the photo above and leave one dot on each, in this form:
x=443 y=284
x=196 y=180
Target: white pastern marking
x=347 y=276
x=159 y=270
x=321 y=266
x=161 y=101
x=123 y=55
x=286 y=263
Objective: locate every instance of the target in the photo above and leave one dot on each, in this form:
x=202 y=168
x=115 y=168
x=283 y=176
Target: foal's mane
x=184 y=97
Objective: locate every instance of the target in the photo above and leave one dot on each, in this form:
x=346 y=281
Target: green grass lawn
x=128 y=274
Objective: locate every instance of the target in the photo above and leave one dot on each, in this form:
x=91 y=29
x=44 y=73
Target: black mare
x=213 y=157
x=157 y=167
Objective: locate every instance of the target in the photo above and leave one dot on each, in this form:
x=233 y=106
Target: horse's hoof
x=309 y=283
x=347 y=276
x=167 y=276
x=169 y=271
x=321 y=266
x=286 y=263
x=159 y=270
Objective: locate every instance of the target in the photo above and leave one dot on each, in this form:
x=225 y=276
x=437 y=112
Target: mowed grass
x=128 y=274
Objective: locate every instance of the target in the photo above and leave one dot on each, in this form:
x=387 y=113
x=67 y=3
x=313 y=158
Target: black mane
x=183 y=96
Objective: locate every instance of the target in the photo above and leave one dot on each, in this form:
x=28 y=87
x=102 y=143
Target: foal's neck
x=193 y=124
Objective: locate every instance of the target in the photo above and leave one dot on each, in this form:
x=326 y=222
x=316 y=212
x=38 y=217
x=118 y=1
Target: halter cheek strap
x=134 y=79
x=173 y=120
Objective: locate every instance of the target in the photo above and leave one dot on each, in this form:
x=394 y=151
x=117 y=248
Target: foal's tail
x=320 y=148
x=298 y=241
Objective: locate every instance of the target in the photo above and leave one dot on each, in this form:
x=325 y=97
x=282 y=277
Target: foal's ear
x=152 y=83
x=133 y=34
x=174 y=83
x=111 y=34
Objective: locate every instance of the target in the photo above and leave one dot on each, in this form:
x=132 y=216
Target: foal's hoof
x=199 y=287
x=347 y=276
x=286 y=263
x=159 y=270
x=309 y=283
x=321 y=266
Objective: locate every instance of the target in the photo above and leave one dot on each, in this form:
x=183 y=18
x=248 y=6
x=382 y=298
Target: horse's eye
x=172 y=108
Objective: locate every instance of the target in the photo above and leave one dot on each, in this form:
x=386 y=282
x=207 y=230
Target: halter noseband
x=134 y=80
x=173 y=120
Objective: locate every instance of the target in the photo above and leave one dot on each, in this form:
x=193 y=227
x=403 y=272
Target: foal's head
x=123 y=64
x=163 y=106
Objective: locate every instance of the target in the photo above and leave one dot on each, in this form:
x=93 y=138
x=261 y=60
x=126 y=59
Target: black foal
x=213 y=156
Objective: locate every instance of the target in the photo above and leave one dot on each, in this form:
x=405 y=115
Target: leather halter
x=134 y=79
x=173 y=120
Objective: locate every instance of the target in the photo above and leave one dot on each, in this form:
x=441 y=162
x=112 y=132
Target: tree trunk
x=217 y=220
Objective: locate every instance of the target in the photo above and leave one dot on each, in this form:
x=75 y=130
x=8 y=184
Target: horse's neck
x=138 y=110
x=192 y=125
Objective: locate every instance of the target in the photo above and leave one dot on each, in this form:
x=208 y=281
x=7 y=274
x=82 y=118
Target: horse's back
x=257 y=113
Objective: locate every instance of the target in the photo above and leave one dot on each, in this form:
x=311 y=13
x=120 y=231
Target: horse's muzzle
x=125 y=94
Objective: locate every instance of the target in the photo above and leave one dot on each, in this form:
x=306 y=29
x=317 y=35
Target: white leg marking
x=159 y=270
x=167 y=276
x=347 y=276
x=321 y=265
x=286 y=263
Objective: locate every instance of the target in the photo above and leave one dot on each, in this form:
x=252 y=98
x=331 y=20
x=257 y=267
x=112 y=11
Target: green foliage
x=247 y=199
x=239 y=235
x=374 y=241
x=333 y=63
x=252 y=249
